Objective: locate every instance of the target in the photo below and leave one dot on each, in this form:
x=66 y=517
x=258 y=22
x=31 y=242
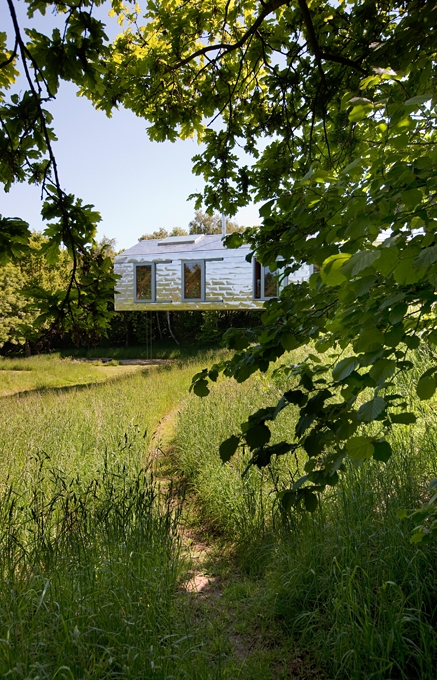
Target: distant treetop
x=202 y=223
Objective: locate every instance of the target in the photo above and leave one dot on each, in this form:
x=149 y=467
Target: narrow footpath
x=221 y=602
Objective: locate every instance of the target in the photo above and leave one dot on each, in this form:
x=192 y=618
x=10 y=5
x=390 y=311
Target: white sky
x=137 y=185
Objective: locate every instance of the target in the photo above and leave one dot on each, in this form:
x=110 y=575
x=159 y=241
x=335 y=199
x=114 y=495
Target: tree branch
x=230 y=47
x=311 y=35
x=318 y=53
x=67 y=232
x=12 y=57
x=268 y=8
x=326 y=56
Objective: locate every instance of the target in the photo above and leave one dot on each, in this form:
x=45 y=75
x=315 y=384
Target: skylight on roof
x=180 y=240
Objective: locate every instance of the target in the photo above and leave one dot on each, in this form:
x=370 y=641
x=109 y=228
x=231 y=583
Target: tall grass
x=88 y=576
x=345 y=582
x=76 y=426
x=90 y=557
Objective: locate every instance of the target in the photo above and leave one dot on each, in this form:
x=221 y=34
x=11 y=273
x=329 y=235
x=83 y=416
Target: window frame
x=263 y=270
x=202 y=297
x=153 y=269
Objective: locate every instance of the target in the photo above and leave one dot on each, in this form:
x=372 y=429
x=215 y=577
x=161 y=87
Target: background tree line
x=33 y=272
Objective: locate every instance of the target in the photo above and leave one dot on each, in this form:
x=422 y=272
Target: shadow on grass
x=79 y=387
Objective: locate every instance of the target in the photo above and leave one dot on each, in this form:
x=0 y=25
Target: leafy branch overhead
x=27 y=155
x=334 y=106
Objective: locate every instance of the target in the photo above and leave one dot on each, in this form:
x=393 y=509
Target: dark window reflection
x=144 y=282
x=257 y=281
x=192 y=281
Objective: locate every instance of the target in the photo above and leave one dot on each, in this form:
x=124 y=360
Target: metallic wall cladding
x=229 y=282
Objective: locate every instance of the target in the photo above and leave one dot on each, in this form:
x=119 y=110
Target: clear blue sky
x=137 y=185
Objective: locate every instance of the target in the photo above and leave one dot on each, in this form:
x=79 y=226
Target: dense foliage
x=333 y=107
x=19 y=284
x=26 y=155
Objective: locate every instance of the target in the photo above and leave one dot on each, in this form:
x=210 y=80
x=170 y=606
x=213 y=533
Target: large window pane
x=265 y=282
x=192 y=281
x=270 y=284
x=144 y=282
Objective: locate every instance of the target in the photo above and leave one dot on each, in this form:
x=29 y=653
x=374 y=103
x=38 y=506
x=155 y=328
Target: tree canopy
x=163 y=233
x=202 y=223
x=326 y=111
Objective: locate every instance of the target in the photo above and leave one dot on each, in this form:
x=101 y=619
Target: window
x=145 y=282
x=193 y=280
x=265 y=284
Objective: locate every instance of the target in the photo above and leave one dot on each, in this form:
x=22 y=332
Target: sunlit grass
x=49 y=371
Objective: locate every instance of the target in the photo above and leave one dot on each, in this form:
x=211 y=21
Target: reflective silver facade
x=228 y=282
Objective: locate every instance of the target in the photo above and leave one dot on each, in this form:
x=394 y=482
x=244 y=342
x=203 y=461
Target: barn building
x=192 y=272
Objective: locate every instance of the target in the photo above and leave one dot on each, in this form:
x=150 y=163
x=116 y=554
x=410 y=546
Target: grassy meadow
x=100 y=531
x=90 y=561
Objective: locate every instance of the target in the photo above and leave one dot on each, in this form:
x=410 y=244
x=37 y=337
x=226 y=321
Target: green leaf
x=426 y=387
x=382 y=370
x=234 y=240
x=288 y=341
x=266 y=209
x=314 y=443
x=201 y=388
x=382 y=452
x=418 y=100
x=296 y=397
x=403 y=418
x=427 y=257
x=405 y=273
x=432 y=337
x=359 y=261
x=310 y=500
x=344 y=368
x=369 y=340
x=321 y=176
x=398 y=313
x=412 y=341
x=411 y=198
x=287 y=499
x=360 y=447
x=371 y=409
x=303 y=424
x=395 y=336
x=228 y=448
x=418 y=537
x=257 y=436
x=388 y=259
x=360 y=111
x=331 y=269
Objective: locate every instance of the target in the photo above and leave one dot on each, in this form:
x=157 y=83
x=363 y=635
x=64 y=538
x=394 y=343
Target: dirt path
x=225 y=605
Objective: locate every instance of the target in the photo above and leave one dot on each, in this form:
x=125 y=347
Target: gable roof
x=177 y=244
